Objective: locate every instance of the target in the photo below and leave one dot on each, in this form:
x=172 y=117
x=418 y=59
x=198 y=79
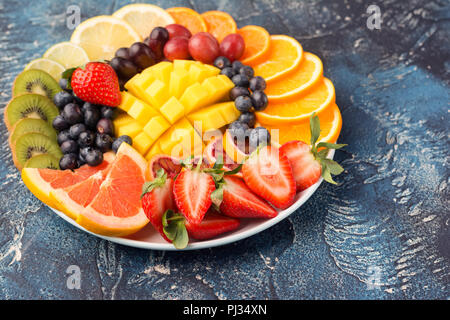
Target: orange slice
x=219 y=23
x=284 y=55
x=330 y=127
x=257 y=44
x=41 y=182
x=232 y=149
x=315 y=99
x=306 y=75
x=189 y=18
x=116 y=209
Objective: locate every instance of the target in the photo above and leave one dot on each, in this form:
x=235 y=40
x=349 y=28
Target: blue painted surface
x=383 y=234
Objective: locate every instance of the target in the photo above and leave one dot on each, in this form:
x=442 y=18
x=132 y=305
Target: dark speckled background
x=383 y=234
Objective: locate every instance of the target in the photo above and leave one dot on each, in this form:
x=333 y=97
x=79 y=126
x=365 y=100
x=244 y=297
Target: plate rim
x=227 y=239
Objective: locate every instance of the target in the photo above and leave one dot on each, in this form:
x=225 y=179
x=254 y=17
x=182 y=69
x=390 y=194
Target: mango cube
x=215 y=116
x=156 y=127
x=183 y=65
x=157 y=93
x=218 y=88
x=194 y=98
x=120 y=120
x=131 y=129
x=142 y=112
x=160 y=71
x=173 y=110
x=142 y=142
x=179 y=80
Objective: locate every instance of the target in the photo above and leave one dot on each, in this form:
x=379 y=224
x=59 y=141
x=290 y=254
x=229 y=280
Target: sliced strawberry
x=307 y=170
x=268 y=173
x=157 y=199
x=211 y=226
x=240 y=202
x=192 y=190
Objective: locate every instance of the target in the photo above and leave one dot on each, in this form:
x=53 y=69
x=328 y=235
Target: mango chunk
x=156 y=127
x=218 y=88
x=173 y=110
x=142 y=142
x=194 y=98
x=157 y=93
x=142 y=112
x=120 y=120
x=215 y=116
x=179 y=81
x=160 y=71
x=131 y=129
x=183 y=65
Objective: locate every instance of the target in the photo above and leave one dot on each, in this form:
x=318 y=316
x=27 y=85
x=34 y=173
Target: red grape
x=177 y=48
x=177 y=30
x=232 y=46
x=204 y=47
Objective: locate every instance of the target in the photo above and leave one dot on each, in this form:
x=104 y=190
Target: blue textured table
x=384 y=233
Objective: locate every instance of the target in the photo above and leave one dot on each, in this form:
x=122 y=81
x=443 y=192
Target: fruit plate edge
x=250 y=227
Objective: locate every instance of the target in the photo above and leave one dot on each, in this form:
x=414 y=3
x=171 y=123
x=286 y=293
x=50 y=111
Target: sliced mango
x=215 y=116
x=173 y=110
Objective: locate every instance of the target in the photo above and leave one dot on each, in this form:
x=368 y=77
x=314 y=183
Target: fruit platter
x=171 y=129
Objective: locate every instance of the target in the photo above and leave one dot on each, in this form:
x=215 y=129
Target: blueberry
x=222 y=62
x=63 y=136
x=105 y=125
x=81 y=160
x=107 y=112
x=228 y=72
x=68 y=161
x=94 y=157
x=86 y=139
x=91 y=117
x=257 y=84
x=258 y=136
x=62 y=98
x=69 y=146
x=76 y=130
x=249 y=118
x=238 y=91
x=243 y=103
x=72 y=113
x=87 y=105
x=236 y=66
x=84 y=151
x=240 y=80
x=59 y=123
x=259 y=100
x=239 y=131
x=103 y=142
x=116 y=144
x=247 y=71
x=64 y=84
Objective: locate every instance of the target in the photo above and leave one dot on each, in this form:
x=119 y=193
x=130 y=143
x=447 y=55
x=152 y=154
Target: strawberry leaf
x=234 y=171
x=334 y=167
x=217 y=197
x=159 y=181
x=174 y=229
x=327 y=175
x=219 y=162
x=314 y=124
x=330 y=145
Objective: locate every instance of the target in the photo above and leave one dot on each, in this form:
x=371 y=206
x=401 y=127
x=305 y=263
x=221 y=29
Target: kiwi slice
x=31 y=144
x=30 y=106
x=28 y=125
x=43 y=161
x=35 y=81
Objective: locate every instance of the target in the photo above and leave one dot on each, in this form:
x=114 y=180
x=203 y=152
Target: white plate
x=149 y=238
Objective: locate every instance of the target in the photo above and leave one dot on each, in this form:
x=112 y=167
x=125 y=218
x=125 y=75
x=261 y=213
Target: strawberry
x=309 y=164
x=96 y=83
x=240 y=202
x=192 y=190
x=157 y=198
x=268 y=173
x=211 y=226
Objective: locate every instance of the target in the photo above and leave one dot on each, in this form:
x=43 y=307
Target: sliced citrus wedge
x=307 y=74
x=101 y=36
x=330 y=127
x=188 y=18
x=116 y=209
x=144 y=17
x=316 y=99
x=219 y=23
x=233 y=150
x=284 y=55
x=257 y=44
x=51 y=67
x=68 y=54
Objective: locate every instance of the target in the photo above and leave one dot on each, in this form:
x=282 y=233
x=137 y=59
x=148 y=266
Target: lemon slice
x=144 y=17
x=101 y=36
x=51 y=67
x=67 y=54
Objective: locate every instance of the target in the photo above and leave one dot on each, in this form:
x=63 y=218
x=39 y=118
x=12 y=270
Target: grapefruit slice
x=73 y=199
x=116 y=209
x=42 y=181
